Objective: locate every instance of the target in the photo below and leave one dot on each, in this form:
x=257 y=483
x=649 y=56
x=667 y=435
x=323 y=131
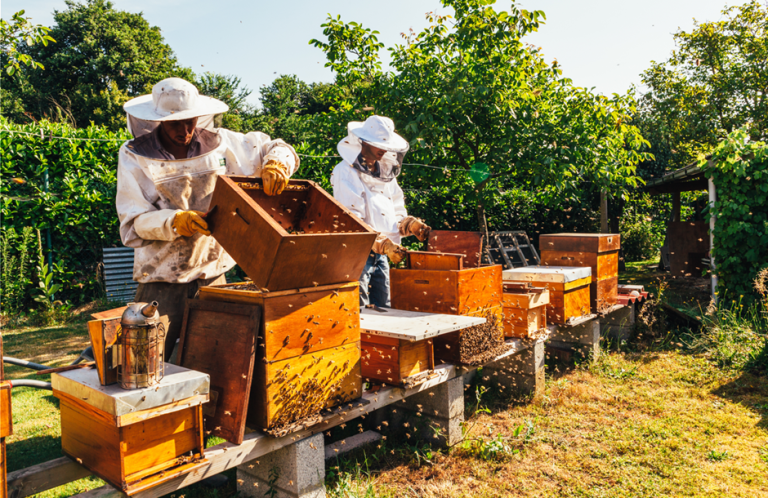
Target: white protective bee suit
x=374 y=196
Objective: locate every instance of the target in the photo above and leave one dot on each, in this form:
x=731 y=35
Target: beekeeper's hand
x=275 y=178
x=188 y=223
x=414 y=226
x=394 y=252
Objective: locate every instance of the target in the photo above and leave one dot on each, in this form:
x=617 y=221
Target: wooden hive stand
x=6 y=424
x=134 y=439
x=599 y=251
x=568 y=289
x=397 y=345
x=525 y=310
x=308 y=349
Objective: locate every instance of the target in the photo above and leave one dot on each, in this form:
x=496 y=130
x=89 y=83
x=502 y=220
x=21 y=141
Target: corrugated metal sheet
x=118 y=274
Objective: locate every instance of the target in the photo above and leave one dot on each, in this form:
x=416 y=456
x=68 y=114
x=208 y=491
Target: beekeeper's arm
x=274 y=161
x=408 y=225
x=140 y=221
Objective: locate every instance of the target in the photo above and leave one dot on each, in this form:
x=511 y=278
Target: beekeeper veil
x=378 y=132
x=172 y=99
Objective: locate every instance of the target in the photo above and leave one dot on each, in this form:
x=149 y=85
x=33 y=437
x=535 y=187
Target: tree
x=473 y=97
x=715 y=82
x=103 y=57
x=286 y=102
x=20 y=31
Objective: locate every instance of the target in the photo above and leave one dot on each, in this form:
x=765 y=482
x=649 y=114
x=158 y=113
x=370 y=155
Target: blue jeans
x=374 y=282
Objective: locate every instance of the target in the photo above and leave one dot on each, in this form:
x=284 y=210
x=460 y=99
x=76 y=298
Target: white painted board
x=412 y=325
x=562 y=274
x=179 y=383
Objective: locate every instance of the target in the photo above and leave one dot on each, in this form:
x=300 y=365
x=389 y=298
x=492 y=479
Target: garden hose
x=37 y=384
x=24 y=363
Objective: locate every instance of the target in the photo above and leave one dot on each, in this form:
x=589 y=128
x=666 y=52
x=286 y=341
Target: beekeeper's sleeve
x=255 y=149
x=398 y=201
x=348 y=189
x=140 y=221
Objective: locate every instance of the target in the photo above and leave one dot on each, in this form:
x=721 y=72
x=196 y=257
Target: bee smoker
x=140 y=347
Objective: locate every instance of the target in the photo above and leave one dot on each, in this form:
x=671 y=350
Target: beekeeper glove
x=275 y=178
x=188 y=223
x=414 y=226
x=394 y=252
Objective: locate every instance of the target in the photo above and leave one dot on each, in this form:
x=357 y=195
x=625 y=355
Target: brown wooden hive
x=300 y=238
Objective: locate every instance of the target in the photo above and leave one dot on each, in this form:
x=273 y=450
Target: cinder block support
x=443 y=406
x=521 y=373
x=618 y=324
x=295 y=471
x=583 y=338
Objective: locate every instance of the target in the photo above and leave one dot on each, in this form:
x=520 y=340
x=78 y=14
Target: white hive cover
x=563 y=274
x=412 y=325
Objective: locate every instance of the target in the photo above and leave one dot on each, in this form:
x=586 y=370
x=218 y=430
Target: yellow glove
x=188 y=223
x=414 y=226
x=275 y=178
x=394 y=252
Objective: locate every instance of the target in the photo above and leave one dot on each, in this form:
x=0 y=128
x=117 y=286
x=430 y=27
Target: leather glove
x=394 y=252
x=275 y=178
x=188 y=223
x=414 y=226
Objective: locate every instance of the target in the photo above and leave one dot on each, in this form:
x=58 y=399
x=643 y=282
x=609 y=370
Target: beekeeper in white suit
x=365 y=181
x=165 y=178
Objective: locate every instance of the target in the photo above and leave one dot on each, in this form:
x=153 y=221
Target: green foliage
x=740 y=172
x=714 y=83
x=78 y=205
x=642 y=227
x=14 y=249
x=471 y=91
x=102 y=58
x=17 y=32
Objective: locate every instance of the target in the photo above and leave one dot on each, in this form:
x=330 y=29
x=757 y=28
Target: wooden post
x=676 y=206
x=603 y=211
x=712 y=200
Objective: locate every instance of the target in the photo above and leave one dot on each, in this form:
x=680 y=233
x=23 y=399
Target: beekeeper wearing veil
x=365 y=181
x=165 y=178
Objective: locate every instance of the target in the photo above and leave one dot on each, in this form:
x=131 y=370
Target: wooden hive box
x=398 y=345
x=525 y=310
x=300 y=238
x=568 y=289
x=308 y=350
x=599 y=251
x=438 y=283
x=134 y=439
x=6 y=425
x=468 y=244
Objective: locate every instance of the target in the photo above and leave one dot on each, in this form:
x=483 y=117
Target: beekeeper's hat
x=379 y=132
x=173 y=99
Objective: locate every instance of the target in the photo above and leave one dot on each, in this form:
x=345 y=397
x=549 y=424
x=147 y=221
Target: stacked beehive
x=599 y=251
x=525 y=309
x=6 y=424
x=568 y=289
x=304 y=252
x=438 y=283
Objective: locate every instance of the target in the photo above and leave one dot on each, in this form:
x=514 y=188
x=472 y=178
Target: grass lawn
x=650 y=423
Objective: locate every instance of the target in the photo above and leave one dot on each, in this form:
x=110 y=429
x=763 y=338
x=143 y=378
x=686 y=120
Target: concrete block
x=300 y=470
x=584 y=333
x=618 y=324
x=351 y=443
x=521 y=373
x=589 y=351
x=443 y=406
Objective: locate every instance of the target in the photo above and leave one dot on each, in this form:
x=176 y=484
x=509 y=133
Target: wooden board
x=220 y=339
x=567 y=305
x=393 y=361
x=418 y=260
x=604 y=294
x=603 y=265
x=468 y=244
x=290 y=390
x=3 y=461
x=412 y=325
x=524 y=323
x=300 y=238
x=525 y=300
x=108 y=314
x=580 y=242
x=562 y=274
x=6 y=414
x=298 y=323
x=103 y=334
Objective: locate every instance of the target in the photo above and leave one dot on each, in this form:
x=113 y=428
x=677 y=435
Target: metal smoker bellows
x=141 y=346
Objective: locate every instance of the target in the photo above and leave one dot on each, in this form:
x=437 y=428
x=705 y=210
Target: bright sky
x=604 y=44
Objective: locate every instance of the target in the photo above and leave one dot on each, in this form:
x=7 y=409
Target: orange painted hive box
x=134 y=439
x=568 y=289
x=599 y=251
x=300 y=238
x=307 y=354
x=525 y=310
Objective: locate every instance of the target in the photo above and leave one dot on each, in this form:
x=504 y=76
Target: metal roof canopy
x=686 y=179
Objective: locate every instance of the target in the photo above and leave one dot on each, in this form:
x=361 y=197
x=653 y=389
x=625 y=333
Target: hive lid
x=563 y=274
x=178 y=384
x=412 y=325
